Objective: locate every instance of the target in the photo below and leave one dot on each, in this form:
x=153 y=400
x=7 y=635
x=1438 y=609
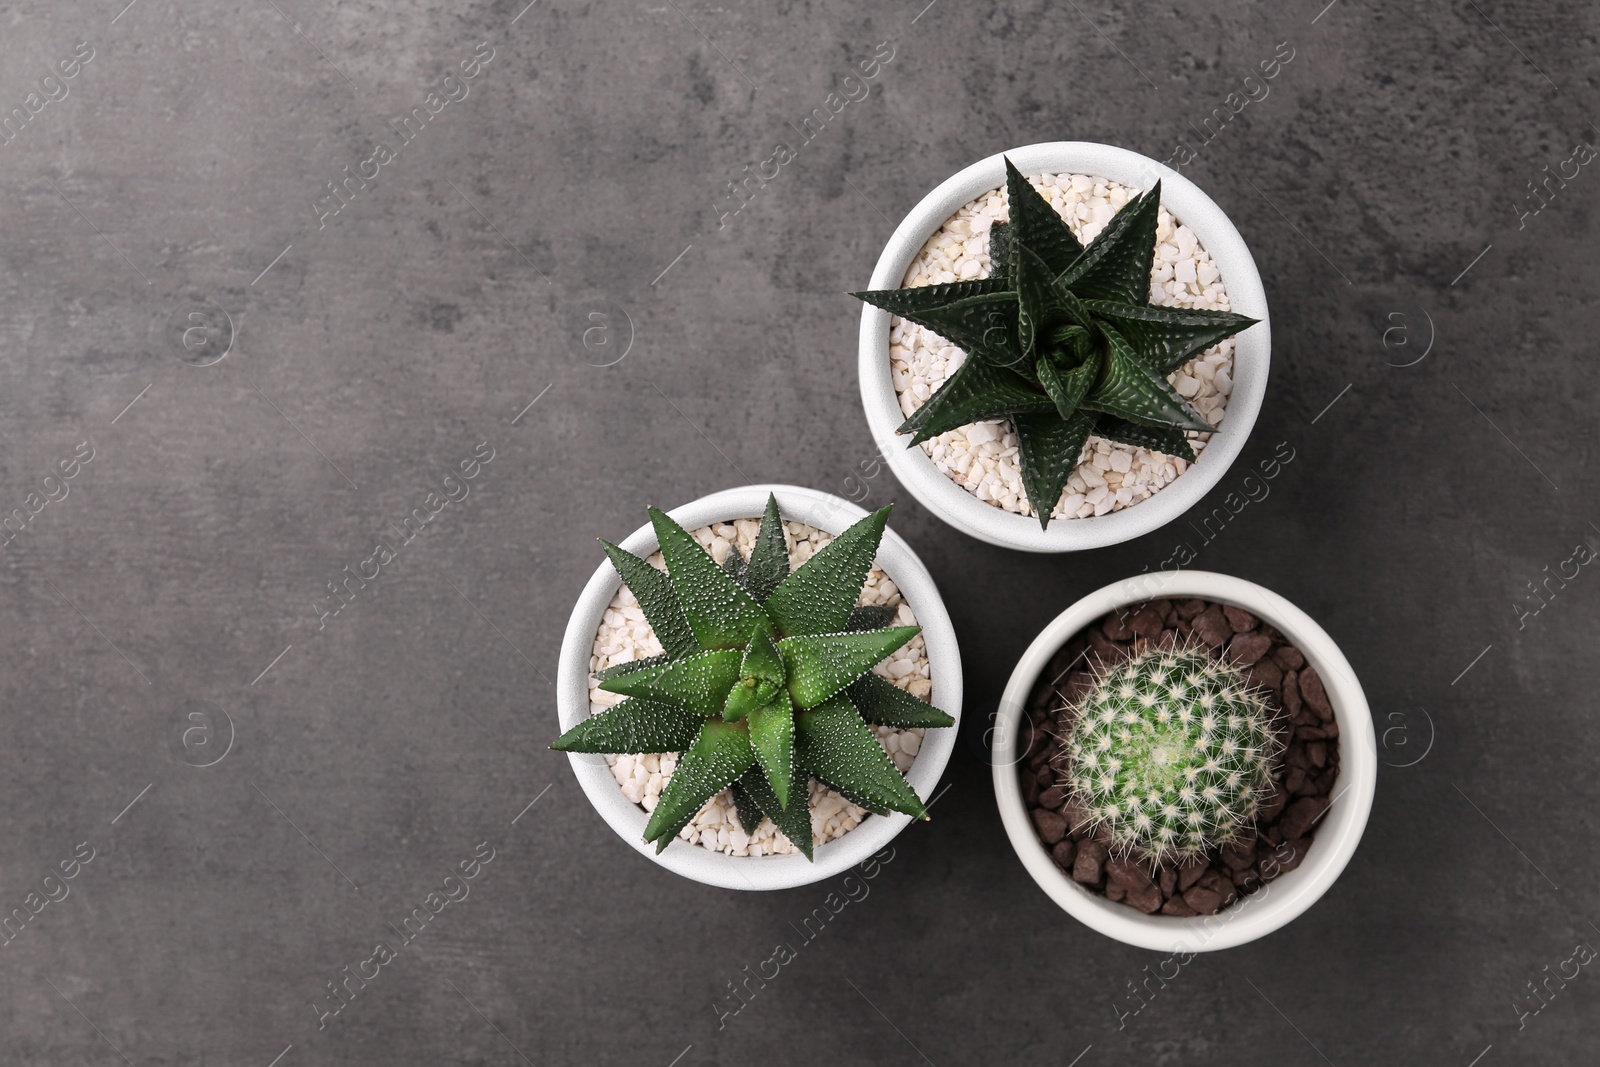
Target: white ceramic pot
x=1252 y=350
x=1278 y=901
x=902 y=566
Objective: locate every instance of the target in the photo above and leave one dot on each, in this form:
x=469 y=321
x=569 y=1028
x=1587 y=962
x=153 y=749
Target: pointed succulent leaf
x=772 y=738
x=1000 y=251
x=719 y=611
x=974 y=393
x=629 y=667
x=699 y=683
x=1067 y=388
x=1037 y=307
x=881 y=703
x=1168 y=440
x=1049 y=449
x=744 y=805
x=718 y=756
x=818 y=596
x=871 y=617
x=1129 y=389
x=733 y=565
x=978 y=316
x=1167 y=338
x=1116 y=265
x=794 y=821
x=834 y=744
x=819 y=665
x=769 y=560
x=633 y=726
x=1036 y=225
x=653 y=590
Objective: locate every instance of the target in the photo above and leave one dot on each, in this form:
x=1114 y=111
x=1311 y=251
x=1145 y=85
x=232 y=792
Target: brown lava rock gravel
x=1303 y=775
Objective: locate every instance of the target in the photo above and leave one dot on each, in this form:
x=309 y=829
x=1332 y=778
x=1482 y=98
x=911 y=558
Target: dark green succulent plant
x=766 y=681
x=1063 y=341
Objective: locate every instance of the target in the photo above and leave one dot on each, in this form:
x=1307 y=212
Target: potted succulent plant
x=768 y=687
x=1184 y=762
x=1048 y=359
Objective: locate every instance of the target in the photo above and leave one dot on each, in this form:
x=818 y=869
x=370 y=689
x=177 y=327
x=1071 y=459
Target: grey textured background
x=1392 y=152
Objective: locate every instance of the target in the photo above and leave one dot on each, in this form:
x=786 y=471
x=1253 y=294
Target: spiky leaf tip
x=820 y=665
x=718 y=756
x=819 y=596
x=718 y=610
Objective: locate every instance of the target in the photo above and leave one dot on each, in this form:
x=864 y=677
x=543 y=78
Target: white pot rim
x=1277 y=902
x=1252 y=350
x=897 y=560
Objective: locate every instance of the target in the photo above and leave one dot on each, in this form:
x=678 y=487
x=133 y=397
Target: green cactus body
x=1172 y=752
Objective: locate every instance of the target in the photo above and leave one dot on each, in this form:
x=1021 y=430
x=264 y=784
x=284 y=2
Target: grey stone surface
x=581 y=172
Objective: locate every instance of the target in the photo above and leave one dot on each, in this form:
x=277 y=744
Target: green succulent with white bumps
x=1172 y=752
x=1063 y=341
x=765 y=683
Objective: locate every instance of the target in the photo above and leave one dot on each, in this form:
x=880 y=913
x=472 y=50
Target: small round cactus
x=1172 y=752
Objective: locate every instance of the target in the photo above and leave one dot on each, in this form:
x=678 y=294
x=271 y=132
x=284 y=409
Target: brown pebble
x=1246 y=648
x=1291 y=693
x=1147 y=900
x=1089 y=866
x=1240 y=855
x=1064 y=852
x=1289 y=854
x=1315 y=695
x=1169 y=613
x=1289 y=657
x=1190 y=608
x=1053 y=798
x=1238 y=618
x=1103 y=650
x=1177 y=907
x=1116 y=627
x=1189 y=874
x=1204 y=901
x=1115 y=892
x=1267 y=673
x=1030 y=789
x=1167 y=879
x=1298 y=817
x=1128 y=873
x=1317 y=752
x=1212 y=628
x=1147 y=622
x=1051 y=826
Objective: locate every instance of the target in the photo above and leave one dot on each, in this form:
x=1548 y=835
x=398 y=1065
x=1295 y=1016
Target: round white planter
x=1276 y=902
x=897 y=560
x=1252 y=350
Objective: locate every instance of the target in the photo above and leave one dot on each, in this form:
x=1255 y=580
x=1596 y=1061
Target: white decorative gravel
x=625 y=635
x=982 y=457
